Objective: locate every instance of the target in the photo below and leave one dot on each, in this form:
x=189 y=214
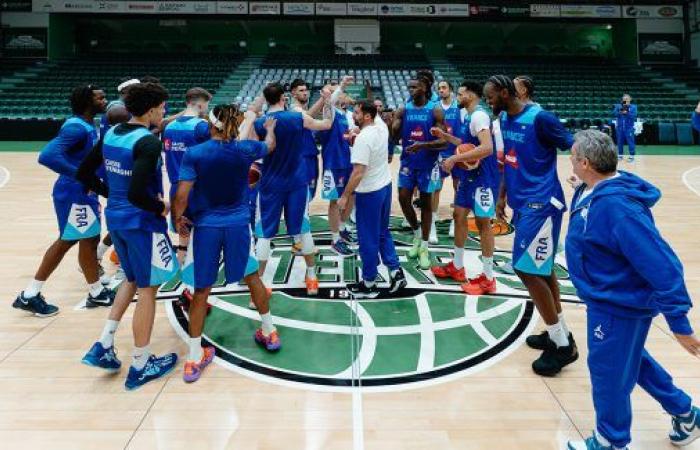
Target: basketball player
x=215 y=174
x=476 y=190
x=283 y=184
x=626 y=273
x=419 y=161
x=135 y=216
x=335 y=152
x=370 y=184
x=115 y=112
x=525 y=89
x=184 y=132
x=453 y=122
x=78 y=212
x=532 y=189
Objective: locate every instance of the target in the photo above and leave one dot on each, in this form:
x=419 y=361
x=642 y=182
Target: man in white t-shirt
x=370 y=182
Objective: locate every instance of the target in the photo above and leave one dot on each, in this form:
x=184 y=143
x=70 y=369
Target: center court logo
x=428 y=334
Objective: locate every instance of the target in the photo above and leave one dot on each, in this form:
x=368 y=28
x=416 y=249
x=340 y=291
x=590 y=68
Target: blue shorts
x=536 y=238
x=334 y=182
x=426 y=181
x=312 y=168
x=147 y=257
x=78 y=220
x=201 y=268
x=269 y=212
x=478 y=198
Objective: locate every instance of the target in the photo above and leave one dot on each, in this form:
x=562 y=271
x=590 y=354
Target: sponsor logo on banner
x=78 y=6
x=515 y=11
x=454 y=10
x=298 y=9
x=43 y=6
x=232 y=7
x=362 y=9
x=654 y=12
x=140 y=7
x=545 y=11
x=331 y=9
x=406 y=9
x=110 y=7
x=16 y=5
x=271 y=8
x=601 y=11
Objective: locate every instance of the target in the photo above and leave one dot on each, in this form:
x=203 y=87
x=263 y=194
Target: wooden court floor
x=48 y=400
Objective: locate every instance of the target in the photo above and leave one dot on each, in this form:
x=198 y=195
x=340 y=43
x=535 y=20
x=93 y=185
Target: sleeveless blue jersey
x=453 y=122
x=284 y=169
x=488 y=166
x=178 y=136
x=121 y=214
x=335 y=150
x=416 y=126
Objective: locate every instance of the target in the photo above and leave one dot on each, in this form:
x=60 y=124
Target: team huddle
x=234 y=175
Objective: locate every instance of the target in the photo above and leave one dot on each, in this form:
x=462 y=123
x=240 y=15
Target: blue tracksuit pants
x=372 y=213
x=625 y=135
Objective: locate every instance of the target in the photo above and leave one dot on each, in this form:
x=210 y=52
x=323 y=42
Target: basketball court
x=431 y=368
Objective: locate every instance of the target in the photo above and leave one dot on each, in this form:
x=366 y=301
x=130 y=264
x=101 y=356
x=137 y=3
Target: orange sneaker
x=193 y=370
x=271 y=343
x=480 y=286
x=311 y=286
x=449 y=271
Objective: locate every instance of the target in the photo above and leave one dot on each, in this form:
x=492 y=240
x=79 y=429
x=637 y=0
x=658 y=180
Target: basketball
x=114 y=257
x=253 y=175
x=466 y=165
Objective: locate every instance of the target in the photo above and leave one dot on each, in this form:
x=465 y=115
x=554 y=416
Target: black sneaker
x=398 y=282
x=554 y=359
x=361 y=290
x=542 y=341
x=106 y=298
x=36 y=305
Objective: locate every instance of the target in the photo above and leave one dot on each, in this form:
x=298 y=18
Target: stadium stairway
x=683 y=81
x=8 y=80
x=231 y=86
x=448 y=71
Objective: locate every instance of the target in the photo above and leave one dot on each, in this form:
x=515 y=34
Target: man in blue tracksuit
x=627 y=274
x=625 y=114
x=696 y=118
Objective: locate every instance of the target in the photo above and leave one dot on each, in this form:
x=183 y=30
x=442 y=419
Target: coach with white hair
x=626 y=273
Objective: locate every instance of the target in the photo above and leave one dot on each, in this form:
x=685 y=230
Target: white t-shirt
x=370 y=150
x=383 y=128
x=479 y=121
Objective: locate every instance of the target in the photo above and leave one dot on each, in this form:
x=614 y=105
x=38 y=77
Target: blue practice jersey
x=530 y=140
x=220 y=172
x=453 y=122
x=335 y=150
x=64 y=153
x=178 y=136
x=416 y=126
x=488 y=167
x=284 y=169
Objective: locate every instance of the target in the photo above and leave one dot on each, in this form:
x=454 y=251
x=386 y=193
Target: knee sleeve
x=262 y=249
x=307 y=244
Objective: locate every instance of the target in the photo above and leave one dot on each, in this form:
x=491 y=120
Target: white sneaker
x=117 y=279
x=451 y=233
x=433 y=238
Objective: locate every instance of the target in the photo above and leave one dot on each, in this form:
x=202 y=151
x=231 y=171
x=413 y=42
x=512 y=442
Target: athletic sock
x=95 y=288
x=140 y=357
x=458 y=260
x=424 y=244
x=686 y=415
x=369 y=284
x=196 y=351
x=601 y=440
x=488 y=267
x=562 y=321
x=107 y=337
x=417 y=233
x=101 y=250
x=335 y=237
x=33 y=289
x=267 y=326
x=556 y=333
x=311 y=272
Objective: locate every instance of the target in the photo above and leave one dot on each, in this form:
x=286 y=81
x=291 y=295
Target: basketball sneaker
x=554 y=359
x=193 y=370
x=36 y=305
x=589 y=444
x=424 y=258
x=413 y=252
x=311 y=286
x=342 y=248
x=156 y=367
x=480 y=286
x=271 y=343
x=398 y=282
x=449 y=271
x=347 y=236
x=361 y=290
x=106 y=298
x=630 y=159
x=540 y=341
x=433 y=238
x=104 y=358
x=685 y=430
x=619 y=157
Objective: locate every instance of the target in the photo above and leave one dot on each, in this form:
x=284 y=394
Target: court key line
x=4 y=176
x=687 y=183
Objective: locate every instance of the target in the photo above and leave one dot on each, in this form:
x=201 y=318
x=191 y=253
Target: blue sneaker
x=36 y=305
x=589 y=444
x=154 y=369
x=342 y=248
x=685 y=429
x=104 y=358
x=106 y=298
x=347 y=236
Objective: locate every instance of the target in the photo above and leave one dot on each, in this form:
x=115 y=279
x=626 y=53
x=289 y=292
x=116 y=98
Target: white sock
x=342 y=227
x=369 y=284
x=101 y=250
x=33 y=288
x=335 y=237
x=563 y=323
x=140 y=357
x=488 y=266
x=686 y=415
x=297 y=238
x=393 y=272
x=311 y=272
x=267 y=326
x=458 y=260
x=95 y=288
x=417 y=233
x=557 y=334
x=196 y=351
x=424 y=244
x=601 y=440
x=107 y=337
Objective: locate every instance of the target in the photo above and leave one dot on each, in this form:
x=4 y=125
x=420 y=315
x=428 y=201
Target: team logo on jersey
x=429 y=333
x=511 y=159
x=417 y=134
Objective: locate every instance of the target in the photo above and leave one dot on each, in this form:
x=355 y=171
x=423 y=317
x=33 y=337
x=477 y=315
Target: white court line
x=687 y=183
x=426 y=356
x=6 y=178
x=369 y=341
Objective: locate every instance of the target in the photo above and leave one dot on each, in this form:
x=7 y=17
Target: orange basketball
x=467 y=165
x=113 y=257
